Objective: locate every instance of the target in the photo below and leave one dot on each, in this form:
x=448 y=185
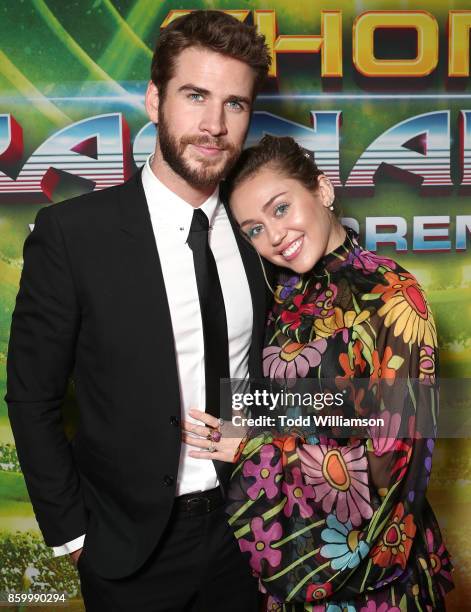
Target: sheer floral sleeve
x=343 y=523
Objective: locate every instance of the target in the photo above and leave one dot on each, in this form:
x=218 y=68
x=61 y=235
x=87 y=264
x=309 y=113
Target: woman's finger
x=200 y=430
x=208 y=419
x=199 y=442
x=207 y=455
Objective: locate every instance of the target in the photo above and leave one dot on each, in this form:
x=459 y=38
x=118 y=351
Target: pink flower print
x=368 y=262
x=439 y=559
x=339 y=475
x=384 y=607
x=264 y=473
x=427 y=365
x=383 y=437
x=260 y=547
x=297 y=494
x=293 y=360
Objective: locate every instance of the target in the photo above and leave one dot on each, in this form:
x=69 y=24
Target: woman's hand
x=225 y=449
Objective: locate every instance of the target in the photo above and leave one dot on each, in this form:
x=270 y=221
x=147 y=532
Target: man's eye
x=235 y=105
x=254 y=231
x=281 y=209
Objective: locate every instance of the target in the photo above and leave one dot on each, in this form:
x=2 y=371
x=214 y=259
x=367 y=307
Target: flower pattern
x=405 y=308
x=334 y=516
x=293 y=360
x=339 y=479
x=264 y=473
x=368 y=262
x=383 y=437
x=260 y=548
x=297 y=494
x=286 y=287
x=427 y=364
x=315 y=592
x=383 y=607
x=343 y=544
x=396 y=541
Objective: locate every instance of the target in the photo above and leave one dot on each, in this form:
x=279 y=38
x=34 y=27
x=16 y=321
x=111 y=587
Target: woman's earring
x=331 y=206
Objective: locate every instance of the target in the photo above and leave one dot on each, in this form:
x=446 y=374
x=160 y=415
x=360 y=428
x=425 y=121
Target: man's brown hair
x=213 y=30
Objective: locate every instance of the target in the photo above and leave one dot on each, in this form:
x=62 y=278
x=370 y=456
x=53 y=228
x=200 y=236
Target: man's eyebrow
x=205 y=92
x=264 y=207
x=191 y=87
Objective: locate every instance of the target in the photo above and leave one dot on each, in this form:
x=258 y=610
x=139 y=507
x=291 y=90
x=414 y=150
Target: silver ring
x=221 y=423
x=211 y=448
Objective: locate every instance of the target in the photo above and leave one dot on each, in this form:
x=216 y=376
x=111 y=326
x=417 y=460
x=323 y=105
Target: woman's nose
x=276 y=235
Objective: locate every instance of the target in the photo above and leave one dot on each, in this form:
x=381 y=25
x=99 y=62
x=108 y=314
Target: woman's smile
x=293 y=249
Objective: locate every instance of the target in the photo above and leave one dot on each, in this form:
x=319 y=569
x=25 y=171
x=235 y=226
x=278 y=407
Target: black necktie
x=213 y=313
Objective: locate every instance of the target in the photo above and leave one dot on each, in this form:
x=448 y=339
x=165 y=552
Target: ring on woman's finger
x=214 y=435
x=211 y=448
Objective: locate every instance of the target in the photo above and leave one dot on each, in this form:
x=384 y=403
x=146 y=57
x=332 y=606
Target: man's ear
x=326 y=190
x=152 y=101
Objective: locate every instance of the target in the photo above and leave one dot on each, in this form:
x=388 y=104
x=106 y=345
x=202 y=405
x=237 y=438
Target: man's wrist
x=68 y=547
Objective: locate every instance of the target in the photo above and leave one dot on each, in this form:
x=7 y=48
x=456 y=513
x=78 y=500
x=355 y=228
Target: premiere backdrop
x=378 y=90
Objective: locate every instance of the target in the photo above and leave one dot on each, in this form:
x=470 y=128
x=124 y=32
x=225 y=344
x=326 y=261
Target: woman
x=331 y=523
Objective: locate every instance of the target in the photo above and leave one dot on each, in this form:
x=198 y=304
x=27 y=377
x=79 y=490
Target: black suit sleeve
x=41 y=350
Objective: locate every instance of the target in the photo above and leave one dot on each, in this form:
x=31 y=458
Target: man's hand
x=75 y=555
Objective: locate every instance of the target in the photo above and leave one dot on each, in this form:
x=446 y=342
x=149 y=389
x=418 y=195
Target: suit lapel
x=140 y=259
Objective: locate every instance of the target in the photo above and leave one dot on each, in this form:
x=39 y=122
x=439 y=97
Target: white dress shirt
x=171 y=220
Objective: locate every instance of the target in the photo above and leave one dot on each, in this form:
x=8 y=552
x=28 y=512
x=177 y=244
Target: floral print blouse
x=343 y=524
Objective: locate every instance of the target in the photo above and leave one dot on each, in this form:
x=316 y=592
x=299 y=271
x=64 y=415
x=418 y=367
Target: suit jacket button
x=168 y=480
x=175 y=421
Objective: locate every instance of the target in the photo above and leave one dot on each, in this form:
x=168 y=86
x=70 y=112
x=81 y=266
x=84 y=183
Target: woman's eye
x=196 y=97
x=254 y=231
x=281 y=209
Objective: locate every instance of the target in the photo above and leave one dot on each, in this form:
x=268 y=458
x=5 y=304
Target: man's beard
x=206 y=175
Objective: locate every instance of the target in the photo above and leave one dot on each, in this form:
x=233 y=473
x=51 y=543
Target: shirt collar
x=168 y=210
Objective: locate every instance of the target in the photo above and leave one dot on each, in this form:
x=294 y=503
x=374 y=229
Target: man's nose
x=213 y=120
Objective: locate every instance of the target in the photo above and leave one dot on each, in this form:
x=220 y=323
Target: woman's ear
x=326 y=190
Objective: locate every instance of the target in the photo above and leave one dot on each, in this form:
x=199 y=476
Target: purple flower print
x=383 y=437
x=367 y=261
x=264 y=473
x=439 y=560
x=288 y=286
x=428 y=458
x=260 y=547
x=427 y=365
x=383 y=607
x=339 y=475
x=297 y=494
x=293 y=360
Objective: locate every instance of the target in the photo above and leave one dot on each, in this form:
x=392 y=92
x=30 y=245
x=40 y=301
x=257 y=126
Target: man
x=128 y=291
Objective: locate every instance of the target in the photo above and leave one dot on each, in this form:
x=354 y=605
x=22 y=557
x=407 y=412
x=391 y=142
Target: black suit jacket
x=92 y=305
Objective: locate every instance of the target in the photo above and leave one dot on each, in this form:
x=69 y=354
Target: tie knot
x=199 y=222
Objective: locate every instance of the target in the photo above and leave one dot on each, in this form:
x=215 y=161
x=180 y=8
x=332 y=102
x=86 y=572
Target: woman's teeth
x=293 y=247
